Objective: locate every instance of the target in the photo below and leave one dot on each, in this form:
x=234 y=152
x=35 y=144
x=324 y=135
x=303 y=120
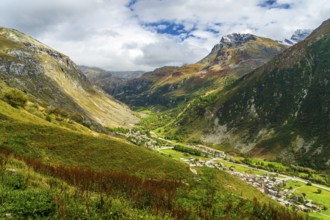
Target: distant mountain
x=108 y=80
x=104 y=79
x=52 y=79
x=297 y=36
x=280 y=111
x=127 y=74
x=233 y=57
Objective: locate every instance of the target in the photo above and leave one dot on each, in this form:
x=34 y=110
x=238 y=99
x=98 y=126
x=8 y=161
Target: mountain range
x=233 y=57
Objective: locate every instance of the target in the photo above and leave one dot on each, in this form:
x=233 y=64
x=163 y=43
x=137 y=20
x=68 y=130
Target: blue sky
x=146 y=34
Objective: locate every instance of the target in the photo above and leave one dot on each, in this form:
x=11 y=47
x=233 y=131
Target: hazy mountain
x=54 y=80
x=280 y=110
x=108 y=80
x=297 y=36
x=127 y=74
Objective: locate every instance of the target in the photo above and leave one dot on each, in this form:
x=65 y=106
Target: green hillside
x=279 y=111
x=26 y=134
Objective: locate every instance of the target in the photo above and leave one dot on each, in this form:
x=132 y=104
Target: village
x=270 y=184
x=267 y=183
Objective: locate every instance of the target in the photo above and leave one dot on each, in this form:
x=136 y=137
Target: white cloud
x=108 y=34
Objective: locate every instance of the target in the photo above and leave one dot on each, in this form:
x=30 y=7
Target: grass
x=242 y=169
x=177 y=155
x=320 y=198
x=28 y=194
x=234 y=185
x=26 y=134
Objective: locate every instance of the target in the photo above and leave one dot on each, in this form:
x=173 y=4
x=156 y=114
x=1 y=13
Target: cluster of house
x=267 y=184
x=194 y=162
x=141 y=139
x=271 y=185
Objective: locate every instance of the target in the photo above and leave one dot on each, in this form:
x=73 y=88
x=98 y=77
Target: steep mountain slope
x=54 y=80
x=234 y=56
x=278 y=110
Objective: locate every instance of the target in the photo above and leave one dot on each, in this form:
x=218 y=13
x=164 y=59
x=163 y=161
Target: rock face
x=52 y=79
x=280 y=110
x=233 y=57
x=234 y=40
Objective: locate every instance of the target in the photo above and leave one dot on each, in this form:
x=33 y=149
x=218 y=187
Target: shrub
x=14 y=181
x=48 y=118
x=56 y=110
x=188 y=150
x=15 y=97
x=27 y=204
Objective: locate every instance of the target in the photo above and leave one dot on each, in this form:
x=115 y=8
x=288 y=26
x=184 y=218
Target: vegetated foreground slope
x=54 y=80
x=233 y=57
x=28 y=135
x=60 y=173
x=280 y=110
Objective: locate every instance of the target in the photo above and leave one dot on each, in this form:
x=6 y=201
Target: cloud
x=144 y=34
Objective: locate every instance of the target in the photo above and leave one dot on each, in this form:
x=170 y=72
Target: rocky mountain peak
x=297 y=36
x=236 y=39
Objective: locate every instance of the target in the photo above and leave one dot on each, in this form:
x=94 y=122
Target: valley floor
x=289 y=191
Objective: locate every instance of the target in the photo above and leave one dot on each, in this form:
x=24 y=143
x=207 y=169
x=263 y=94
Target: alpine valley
x=244 y=133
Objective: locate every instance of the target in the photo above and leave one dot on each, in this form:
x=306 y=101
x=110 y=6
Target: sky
x=147 y=34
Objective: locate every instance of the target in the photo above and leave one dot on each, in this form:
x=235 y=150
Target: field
x=312 y=193
x=177 y=155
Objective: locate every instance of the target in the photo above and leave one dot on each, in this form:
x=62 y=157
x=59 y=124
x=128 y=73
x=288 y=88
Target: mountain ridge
x=51 y=78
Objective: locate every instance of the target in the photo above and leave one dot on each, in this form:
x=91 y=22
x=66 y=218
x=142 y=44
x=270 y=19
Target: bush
x=188 y=150
x=14 y=181
x=15 y=97
x=48 y=118
x=27 y=204
x=56 y=110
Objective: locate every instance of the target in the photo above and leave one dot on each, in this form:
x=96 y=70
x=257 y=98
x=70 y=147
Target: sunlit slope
x=53 y=79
